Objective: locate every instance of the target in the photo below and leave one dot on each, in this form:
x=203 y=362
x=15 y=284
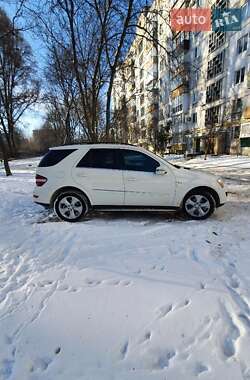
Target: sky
x=35 y=116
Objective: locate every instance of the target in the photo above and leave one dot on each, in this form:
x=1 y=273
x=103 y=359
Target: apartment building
x=186 y=92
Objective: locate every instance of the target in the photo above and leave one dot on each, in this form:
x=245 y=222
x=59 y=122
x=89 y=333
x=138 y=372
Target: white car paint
x=121 y=187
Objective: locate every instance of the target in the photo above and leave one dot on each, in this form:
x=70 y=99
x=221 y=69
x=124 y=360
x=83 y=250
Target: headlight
x=220 y=182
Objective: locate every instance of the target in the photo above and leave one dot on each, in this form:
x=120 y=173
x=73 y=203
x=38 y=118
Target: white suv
x=78 y=178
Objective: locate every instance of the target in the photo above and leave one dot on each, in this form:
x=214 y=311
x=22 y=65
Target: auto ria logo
x=205 y=19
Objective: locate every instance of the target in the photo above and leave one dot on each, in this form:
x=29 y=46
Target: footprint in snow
x=91 y=282
x=6 y=368
x=200 y=368
x=40 y=364
x=183 y=304
x=234 y=283
x=163 y=361
x=44 y=283
x=124 y=350
x=164 y=310
x=146 y=337
x=63 y=287
x=158 y=267
x=118 y=282
x=202 y=285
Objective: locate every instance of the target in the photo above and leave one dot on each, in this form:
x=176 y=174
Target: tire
x=71 y=206
x=198 y=205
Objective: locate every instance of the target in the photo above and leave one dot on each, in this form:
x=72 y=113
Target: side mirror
x=160 y=171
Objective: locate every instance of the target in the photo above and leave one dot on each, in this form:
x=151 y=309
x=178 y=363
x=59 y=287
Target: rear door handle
x=131 y=179
x=82 y=175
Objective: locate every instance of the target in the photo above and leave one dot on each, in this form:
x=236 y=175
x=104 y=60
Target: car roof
x=100 y=145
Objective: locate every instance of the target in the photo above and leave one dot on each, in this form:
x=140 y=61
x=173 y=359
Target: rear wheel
x=71 y=206
x=199 y=205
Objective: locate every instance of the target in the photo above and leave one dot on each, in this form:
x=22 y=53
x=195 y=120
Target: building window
x=237 y=107
x=240 y=75
x=142 y=111
x=142 y=99
x=162 y=64
x=216 y=65
x=212 y=115
x=155 y=59
x=214 y=91
x=245 y=11
x=194 y=97
x=141 y=60
x=194 y=117
x=216 y=39
x=242 y=44
x=177 y=108
x=236 y=132
x=141 y=73
x=140 y=46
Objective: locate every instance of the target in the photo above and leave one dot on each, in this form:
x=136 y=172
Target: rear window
x=54 y=156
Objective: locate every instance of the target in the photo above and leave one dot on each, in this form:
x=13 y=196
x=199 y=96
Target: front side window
x=137 y=161
x=99 y=159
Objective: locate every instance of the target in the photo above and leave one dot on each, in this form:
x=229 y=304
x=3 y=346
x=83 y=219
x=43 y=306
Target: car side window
x=137 y=161
x=54 y=156
x=99 y=159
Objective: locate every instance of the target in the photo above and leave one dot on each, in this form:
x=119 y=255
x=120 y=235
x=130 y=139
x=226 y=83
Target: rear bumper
x=38 y=202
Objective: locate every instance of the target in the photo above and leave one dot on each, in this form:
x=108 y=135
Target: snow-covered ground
x=121 y=296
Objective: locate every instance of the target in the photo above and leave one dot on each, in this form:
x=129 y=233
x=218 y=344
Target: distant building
x=192 y=88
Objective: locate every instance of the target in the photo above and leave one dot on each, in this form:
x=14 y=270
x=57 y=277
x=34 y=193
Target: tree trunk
x=5 y=157
x=115 y=64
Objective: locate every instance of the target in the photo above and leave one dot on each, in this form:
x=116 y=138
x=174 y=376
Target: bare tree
x=19 y=88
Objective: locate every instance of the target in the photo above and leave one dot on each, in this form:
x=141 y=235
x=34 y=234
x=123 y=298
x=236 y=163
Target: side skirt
x=134 y=208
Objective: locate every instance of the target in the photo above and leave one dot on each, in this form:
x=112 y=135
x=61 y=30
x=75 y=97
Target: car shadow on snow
x=230 y=210
x=48 y=216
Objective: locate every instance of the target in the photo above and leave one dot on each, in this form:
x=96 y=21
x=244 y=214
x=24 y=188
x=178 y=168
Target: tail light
x=40 y=180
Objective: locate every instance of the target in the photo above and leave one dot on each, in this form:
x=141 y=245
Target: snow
x=125 y=296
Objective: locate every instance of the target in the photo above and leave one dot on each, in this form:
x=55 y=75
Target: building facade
x=185 y=92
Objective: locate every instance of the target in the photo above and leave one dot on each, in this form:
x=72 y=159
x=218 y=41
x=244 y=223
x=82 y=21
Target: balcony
x=182 y=69
x=181 y=89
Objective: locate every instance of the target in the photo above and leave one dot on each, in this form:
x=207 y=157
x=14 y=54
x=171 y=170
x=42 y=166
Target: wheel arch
x=68 y=188
x=206 y=189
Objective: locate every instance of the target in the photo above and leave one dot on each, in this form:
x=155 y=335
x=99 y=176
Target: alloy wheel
x=70 y=207
x=197 y=205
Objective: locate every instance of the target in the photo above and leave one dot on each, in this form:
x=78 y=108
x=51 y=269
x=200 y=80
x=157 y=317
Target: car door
x=97 y=173
x=143 y=187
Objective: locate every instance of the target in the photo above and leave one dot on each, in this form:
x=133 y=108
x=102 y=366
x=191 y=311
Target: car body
x=112 y=176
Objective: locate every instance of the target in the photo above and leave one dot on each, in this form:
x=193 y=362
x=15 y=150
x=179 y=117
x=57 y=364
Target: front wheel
x=199 y=205
x=71 y=206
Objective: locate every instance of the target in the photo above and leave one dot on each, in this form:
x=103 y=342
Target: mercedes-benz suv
x=76 y=179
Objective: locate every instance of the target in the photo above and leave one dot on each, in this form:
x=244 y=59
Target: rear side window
x=54 y=156
x=100 y=159
x=137 y=161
